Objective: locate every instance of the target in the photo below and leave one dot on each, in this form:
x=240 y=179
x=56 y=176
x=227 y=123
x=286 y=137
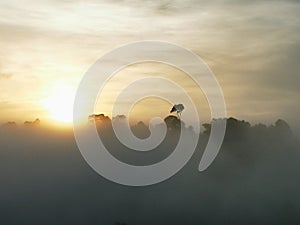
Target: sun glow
x=60 y=104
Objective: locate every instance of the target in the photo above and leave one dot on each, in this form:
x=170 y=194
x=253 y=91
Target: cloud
x=251 y=46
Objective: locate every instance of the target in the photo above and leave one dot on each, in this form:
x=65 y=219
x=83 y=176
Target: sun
x=59 y=104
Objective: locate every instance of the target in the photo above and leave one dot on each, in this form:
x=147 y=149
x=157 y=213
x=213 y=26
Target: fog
x=253 y=180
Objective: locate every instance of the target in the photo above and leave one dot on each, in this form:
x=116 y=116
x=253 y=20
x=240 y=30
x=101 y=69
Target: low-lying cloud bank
x=254 y=179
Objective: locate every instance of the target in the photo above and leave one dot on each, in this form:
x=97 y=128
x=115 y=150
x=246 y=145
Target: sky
x=252 y=47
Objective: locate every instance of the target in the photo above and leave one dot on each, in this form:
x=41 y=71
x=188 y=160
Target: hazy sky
x=253 y=48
